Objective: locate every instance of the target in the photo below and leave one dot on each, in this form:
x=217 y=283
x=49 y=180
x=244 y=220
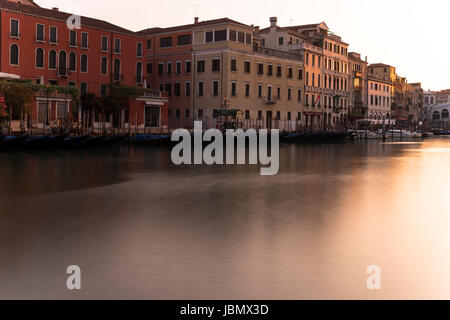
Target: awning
x=4 y=75
x=225 y=113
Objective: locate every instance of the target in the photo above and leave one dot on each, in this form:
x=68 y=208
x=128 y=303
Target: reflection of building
x=379 y=100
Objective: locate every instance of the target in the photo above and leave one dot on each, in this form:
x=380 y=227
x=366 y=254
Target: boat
x=428 y=134
x=151 y=139
x=12 y=142
x=36 y=142
x=56 y=141
x=315 y=137
x=401 y=134
x=71 y=142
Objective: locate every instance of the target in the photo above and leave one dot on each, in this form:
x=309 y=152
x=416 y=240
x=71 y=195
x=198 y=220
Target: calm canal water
x=140 y=227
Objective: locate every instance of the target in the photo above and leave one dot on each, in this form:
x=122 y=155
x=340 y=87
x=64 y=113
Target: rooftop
x=34 y=10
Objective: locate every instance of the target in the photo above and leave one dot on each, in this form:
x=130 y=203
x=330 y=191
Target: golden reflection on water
x=143 y=229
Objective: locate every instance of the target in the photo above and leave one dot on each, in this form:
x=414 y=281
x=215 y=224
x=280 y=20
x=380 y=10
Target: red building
x=39 y=44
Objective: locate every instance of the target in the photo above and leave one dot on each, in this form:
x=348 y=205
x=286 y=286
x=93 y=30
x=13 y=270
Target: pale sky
x=411 y=35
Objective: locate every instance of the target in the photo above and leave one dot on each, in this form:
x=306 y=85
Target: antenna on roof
x=195 y=5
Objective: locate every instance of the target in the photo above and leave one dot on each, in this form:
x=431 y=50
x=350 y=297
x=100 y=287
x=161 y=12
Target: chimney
x=196 y=20
x=55 y=9
x=273 y=22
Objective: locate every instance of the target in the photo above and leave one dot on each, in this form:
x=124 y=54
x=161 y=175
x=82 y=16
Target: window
x=247 y=114
x=52 y=59
x=248 y=38
x=220 y=35
x=269 y=70
x=178 y=67
x=139 y=50
x=201 y=66
x=247 y=66
x=139 y=72
x=169 y=89
x=177 y=89
x=289 y=117
x=233 y=35
x=188 y=67
x=40 y=32
x=280 y=41
x=247 y=90
x=299 y=95
x=260 y=68
x=104 y=66
x=241 y=37
x=187 y=113
x=104 y=44
x=62 y=68
x=39 y=58
x=177 y=113
x=160 y=68
x=278 y=71
x=233 y=65
x=215 y=65
x=290 y=74
x=215 y=88
x=149 y=44
x=165 y=42
x=289 y=94
x=149 y=68
x=259 y=91
x=233 y=89
x=72 y=84
x=184 y=40
x=209 y=36
x=73 y=38
x=200 y=88
x=187 y=90
x=161 y=87
x=84 y=63
x=117 y=46
x=200 y=113
x=83 y=88
x=300 y=74
x=278 y=93
x=103 y=90
x=72 y=61
x=53 y=35
x=14 y=28
x=169 y=67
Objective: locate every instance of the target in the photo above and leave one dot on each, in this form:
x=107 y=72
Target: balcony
x=278 y=53
x=270 y=101
x=306 y=46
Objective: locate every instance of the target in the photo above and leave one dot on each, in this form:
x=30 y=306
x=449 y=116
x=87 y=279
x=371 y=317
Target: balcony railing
x=278 y=53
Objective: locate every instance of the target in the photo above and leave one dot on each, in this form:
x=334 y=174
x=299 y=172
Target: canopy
x=8 y=76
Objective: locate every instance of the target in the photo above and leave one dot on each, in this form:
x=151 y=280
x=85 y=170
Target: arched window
x=72 y=61
x=117 y=70
x=139 y=72
x=14 y=55
x=84 y=63
x=62 y=63
x=436 y=116
x=39 y=58
x=444 y=114
x=52 y=59
x=104 y=66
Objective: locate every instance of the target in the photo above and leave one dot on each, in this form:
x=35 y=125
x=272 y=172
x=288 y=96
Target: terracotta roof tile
x=60 y=15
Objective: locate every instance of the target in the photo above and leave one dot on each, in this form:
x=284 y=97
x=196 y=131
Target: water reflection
x=142 y=228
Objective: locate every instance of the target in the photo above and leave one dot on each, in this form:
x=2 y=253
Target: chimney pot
x=273 y=21
x=196 y=20
x=55 y=9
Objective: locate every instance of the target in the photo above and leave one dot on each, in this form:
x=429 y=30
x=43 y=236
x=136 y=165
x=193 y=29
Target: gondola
x=56 y=141
x=36 y=142
x=72 y=142
x=13 y=142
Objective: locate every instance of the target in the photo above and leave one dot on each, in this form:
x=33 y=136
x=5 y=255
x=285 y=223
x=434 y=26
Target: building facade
x=379 y=101
x=358 y=102
x=222 y=65
x=37 y=44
